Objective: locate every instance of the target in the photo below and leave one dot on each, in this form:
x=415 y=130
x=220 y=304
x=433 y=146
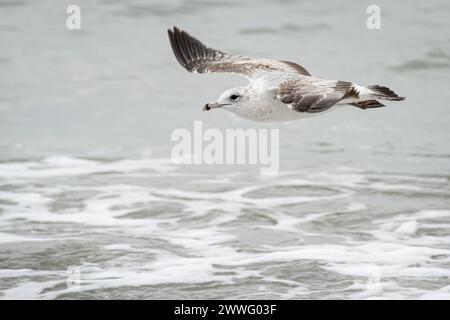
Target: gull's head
x=231 y=100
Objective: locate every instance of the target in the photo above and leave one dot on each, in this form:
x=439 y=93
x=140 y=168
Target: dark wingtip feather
x=188 y=50
x=175 y=43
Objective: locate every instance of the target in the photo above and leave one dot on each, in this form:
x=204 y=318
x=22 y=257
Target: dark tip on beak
x=214 y=105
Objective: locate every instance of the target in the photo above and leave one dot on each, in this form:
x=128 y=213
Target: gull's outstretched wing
x=194 y=56
x=314 y=95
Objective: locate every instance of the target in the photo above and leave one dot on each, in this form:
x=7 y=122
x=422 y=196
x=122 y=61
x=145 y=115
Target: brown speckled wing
x=312 y=95
x=194 y=56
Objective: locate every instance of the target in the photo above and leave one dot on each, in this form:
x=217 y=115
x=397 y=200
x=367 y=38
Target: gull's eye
x=234 y=97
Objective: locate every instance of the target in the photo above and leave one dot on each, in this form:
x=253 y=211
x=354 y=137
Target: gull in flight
x=277 y=90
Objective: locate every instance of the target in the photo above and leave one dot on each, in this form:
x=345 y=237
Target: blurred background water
x=359 y=209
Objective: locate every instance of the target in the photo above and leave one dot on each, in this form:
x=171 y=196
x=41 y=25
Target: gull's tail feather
x=380 y=92
x=367 y=104
x=367 y=97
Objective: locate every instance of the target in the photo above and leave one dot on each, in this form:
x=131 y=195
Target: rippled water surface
x=360 y=208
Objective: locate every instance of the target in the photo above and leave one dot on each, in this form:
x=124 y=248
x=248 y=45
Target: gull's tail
x=368 y=96
x=384 y=93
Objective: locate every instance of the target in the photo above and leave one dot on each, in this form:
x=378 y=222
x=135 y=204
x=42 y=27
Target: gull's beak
x=214 y=105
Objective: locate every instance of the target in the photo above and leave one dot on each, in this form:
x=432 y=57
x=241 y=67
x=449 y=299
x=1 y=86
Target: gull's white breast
x=264 y=106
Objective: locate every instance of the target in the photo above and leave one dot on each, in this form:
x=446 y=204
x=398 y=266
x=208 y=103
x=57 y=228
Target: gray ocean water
x=91 y=205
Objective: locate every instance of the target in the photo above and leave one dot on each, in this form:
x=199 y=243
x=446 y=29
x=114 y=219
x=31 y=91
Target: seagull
x=277 y=90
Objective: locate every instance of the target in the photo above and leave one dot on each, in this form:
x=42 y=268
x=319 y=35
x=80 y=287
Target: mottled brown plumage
x=194 y=56
x=314 y=95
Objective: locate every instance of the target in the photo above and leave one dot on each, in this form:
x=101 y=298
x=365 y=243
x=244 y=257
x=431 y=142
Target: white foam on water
x=407 y=228
x=246 y=234
x=30 y=291
x=63 y=166
x=11 y=238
